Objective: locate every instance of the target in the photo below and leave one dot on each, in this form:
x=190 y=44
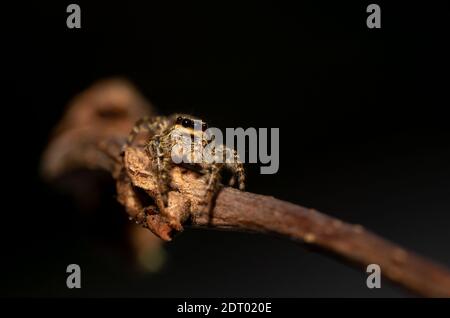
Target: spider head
x=190 y=125
x=188 y=137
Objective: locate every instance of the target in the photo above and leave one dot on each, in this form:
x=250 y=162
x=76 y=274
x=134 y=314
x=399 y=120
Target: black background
x=362 y=118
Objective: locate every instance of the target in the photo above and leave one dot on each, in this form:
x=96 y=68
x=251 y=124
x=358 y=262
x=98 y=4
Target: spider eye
x=204 y=126
x=179 y=119
x=185 y=122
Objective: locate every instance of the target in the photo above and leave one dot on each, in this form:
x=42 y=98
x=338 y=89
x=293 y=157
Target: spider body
x=181 y=140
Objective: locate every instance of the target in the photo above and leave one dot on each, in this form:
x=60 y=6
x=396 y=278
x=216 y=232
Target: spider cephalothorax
x=181 y=140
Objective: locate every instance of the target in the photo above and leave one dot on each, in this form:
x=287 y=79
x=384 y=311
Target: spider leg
x=236 y=167
x=161 y=165
x=213 y=184
x=152 y=125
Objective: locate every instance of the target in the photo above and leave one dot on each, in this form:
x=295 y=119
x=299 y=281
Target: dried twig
x=92 y=134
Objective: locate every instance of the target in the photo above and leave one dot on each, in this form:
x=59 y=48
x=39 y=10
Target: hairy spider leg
x=152 y=125
x=161 y=165
x=237 y=169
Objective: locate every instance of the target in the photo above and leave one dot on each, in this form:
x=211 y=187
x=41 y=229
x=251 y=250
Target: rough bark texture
x=91 y=136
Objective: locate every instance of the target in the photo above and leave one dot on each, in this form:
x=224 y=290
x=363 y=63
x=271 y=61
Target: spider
x=180 y=140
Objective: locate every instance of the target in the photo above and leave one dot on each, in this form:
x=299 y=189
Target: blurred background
x=363 y=125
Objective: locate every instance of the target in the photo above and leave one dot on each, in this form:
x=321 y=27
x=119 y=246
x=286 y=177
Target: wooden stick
x=91 y=136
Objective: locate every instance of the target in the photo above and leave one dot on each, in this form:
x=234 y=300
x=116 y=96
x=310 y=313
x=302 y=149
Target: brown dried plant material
x=97 y=120
x=94 y=146
x=102 y=114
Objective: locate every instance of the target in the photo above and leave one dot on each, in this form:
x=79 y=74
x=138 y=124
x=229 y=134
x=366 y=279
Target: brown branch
x=95 y=142
x=350 y=242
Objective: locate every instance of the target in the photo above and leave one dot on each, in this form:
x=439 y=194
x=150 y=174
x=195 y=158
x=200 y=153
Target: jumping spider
x=170 y=138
